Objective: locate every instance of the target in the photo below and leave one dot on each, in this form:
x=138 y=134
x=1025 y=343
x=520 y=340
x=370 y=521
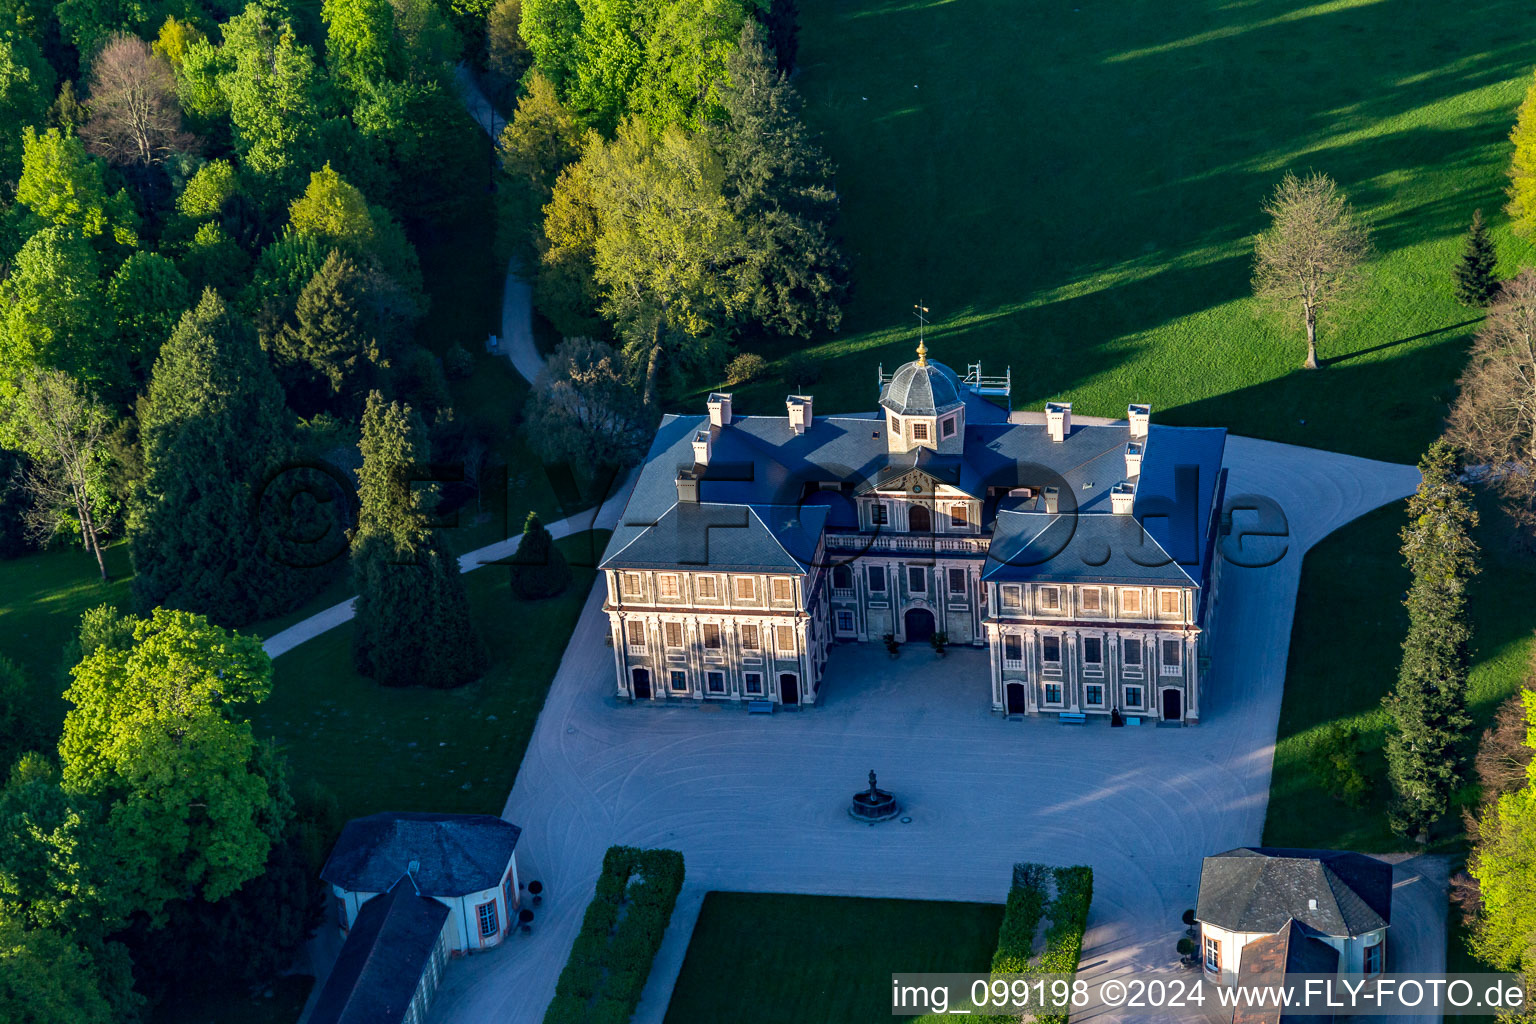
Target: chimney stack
x=1058 y=420
x=703 y=443
x=720 y=409
x=1122 y=499
x=799 y=412
x=687 y=487
x=1052 y=499
x=1133 y=453
x=1140 y=417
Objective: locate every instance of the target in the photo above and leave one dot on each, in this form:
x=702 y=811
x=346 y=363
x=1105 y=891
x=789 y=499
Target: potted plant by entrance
x=891 y=646
x=939 y=641
x=1187 y=955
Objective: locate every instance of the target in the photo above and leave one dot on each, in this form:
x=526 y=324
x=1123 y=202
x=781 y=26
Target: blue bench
x=1073 y=718
x=759 y=707
x=1132 y=720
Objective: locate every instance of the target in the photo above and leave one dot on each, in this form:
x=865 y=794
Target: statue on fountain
x=873 y=804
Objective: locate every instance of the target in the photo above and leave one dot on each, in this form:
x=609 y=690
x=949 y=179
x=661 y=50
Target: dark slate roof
x=760 y=462
x=381 y=963
x=457 y=853
x=1095 y=547
x=922 y=389
x=1268 y=960
x=733 y=538
x=1259 y=889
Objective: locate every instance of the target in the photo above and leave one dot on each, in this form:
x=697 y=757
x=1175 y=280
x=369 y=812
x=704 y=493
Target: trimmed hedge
x=1061 y=895
x=622 y=929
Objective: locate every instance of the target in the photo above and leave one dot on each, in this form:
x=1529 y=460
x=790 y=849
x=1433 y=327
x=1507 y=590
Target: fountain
x=873 y=804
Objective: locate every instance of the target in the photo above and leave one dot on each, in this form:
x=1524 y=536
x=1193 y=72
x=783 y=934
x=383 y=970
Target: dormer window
x=947 y=427
x=919 y=431
x=896 y=425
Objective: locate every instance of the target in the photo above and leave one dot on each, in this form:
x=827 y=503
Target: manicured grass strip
x=1345 y=647
x=411 y=749
x=611 y=959
x=767 y=958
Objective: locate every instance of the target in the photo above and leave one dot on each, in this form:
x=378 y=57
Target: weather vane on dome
x=922 y=321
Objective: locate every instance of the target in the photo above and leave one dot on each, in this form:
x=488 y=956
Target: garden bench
x=759 y=707
x=1131 y=720
x=1073 y=718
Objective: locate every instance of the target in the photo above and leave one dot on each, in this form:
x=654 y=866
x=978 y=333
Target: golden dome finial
x=922 y=353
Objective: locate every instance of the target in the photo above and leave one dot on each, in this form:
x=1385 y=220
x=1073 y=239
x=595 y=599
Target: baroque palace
x=1082 y=556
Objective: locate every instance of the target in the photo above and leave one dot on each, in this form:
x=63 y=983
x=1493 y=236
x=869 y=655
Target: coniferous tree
x=332 y=350
x=782 y=21
x=413 y=624
x=1475 y=283
x=539 y=569
x=778 y=183
x=213 y=429
x=1428 y=708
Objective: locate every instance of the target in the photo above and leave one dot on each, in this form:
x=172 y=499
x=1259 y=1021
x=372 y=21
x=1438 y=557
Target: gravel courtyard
x=757 y=803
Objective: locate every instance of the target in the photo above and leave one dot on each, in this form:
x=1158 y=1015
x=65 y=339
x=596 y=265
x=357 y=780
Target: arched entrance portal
x=1016 y=705
x=1173 y=702
x=919 y=520
x=919 y=622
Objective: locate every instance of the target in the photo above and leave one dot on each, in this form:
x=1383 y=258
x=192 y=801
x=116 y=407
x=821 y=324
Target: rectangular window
x=1013 y=597
x=488 y=922
x=1132 y=652
x=749 y=639
x=877 y=579
x=1130 y=602
x=784 y=636
x=752 y=682
x=1050 y=599
x=707 y=587
x=1093 y=694
x=631 y=584
x=957 y=581
x=917 y=579
x=1092 y=599
x=636 y=633
x=714 y=682
x=920 y=431
x=1212 y=955
x=1373 y=958
x=959 y=517
x=896 y=425
x=947 y=427
x=711 y=636
x=1133 y=696
x=783 y=589
x=1053 y=693
x=1093 y=650
x=880 y=513
x=506 y=894
x=1168 y=602
x=746 y=588
x=1173 y=657
x=1013 y=650
x=1050 y=647
x=845 y=622
x=679 y=682
x=673 y=632
x=666 y=586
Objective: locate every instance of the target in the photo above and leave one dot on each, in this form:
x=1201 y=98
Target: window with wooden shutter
x=783 y=589
x=749 y=637
x=711 y=636
x=673 y=631
x=786 y=638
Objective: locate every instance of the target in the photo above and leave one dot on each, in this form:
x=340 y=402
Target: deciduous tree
x=47 y=978
x=1426 y=741
x=1522 y=168
x=360 y=45
x=55 y=312
x=147 y=295
x=213 y=429
x=134 y=118
x=1476 y=284
x=64 y=185
x=687 y=47
x=507 y=54
x=63 y=430
x=57 y=864
x=551 y=29
x=583 y=410
x=159 y=734
x=1311 y=254
x=26 y=89
x=1494 y=417
x=413 y=624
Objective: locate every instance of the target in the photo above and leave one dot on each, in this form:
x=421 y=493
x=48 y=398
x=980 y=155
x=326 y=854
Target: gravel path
x=757 y=803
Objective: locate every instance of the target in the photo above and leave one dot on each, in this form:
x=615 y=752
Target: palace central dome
x=922 y=388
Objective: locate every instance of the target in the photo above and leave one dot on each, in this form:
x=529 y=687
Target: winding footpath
x=757 y=803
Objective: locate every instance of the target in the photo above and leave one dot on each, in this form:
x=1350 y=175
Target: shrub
x=747 y=367
x=801 y=371
x=611 y=958
x=1186 y=946
x=1335 y=764
x=457 y=362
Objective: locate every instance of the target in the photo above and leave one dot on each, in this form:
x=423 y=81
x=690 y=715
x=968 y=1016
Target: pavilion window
x=488 y=922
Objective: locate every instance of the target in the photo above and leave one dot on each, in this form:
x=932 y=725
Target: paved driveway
x=757 y=803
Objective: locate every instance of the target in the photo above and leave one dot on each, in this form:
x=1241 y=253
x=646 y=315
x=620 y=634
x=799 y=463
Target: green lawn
x=415 y=749
x=1072 y=189
x=279 y=1003
x=1344 y=657
x=763 y=959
